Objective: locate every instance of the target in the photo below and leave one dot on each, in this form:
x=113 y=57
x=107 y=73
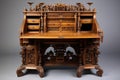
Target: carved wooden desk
x=60 y=34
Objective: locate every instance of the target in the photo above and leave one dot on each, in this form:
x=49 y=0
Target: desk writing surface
x=60 y=35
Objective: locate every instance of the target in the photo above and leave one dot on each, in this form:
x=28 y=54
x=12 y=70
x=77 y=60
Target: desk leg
x=41 y=71
x=100 y=71
x=97 y=67
x=19 y=71
x=38 y=68
x=79 y=71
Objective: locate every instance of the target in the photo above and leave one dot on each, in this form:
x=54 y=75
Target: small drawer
x=33 y=27
x=33 y=20
x=86 y=20
x=67 y=24
x=54 y=25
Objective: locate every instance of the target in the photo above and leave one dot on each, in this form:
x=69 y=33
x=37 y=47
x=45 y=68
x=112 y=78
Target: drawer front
x=33 y=20
x=54 y=25
x=86 y=20
x=67 y=24
x=33 y=27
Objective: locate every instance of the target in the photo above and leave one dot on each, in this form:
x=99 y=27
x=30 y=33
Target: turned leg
x=19 y=71
x=100 y=71
x=79 y=71
x=41 y=71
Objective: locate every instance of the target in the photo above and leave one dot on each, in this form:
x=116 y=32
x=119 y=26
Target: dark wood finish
x=60 y=34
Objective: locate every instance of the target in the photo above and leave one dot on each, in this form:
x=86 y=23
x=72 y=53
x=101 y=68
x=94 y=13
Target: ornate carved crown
x=58 y=7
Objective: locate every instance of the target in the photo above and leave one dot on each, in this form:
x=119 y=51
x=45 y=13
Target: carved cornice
x=58 y=7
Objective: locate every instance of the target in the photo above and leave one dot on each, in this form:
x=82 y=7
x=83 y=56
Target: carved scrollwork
x=70 y=50
x=30 y=51
x=23 y=54
x=50 y=50
x=58 y=7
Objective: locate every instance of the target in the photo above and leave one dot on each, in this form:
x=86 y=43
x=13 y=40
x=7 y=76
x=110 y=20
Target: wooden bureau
x=60 y=34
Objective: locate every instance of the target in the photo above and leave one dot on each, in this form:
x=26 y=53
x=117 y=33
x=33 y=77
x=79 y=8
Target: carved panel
x=28 y=55
x=23 y=54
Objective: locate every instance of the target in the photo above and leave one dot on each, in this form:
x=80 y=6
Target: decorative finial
x=94 y=9
x=79 y=4
x=25 y=9
x=40 y=4
x=30 y=4
x=90 y=3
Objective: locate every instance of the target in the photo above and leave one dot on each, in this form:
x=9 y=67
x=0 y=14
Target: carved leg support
x=19 y=71
x=41 y=71
x=79 y=71
x=97 y=67
x=100 y=71
x=38 y=68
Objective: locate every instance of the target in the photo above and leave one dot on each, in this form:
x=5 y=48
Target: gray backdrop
x=10 y=21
